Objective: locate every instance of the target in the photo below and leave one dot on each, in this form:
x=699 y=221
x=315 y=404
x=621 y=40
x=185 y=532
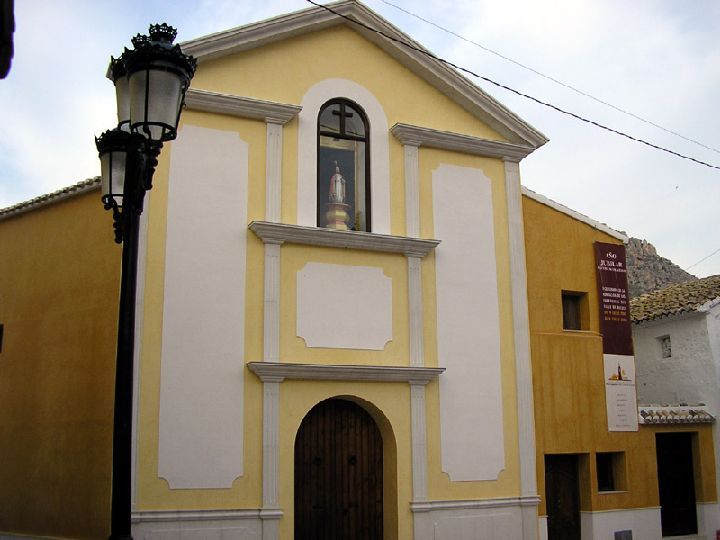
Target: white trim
x=241 y=106
x=418 y=434
x=279 y=233
x=273 y=171
x=271 y=313
x=530 y=194
x=277 y=372
x=521 y=334
x=271 y=447
x=415 y=315
x=158 y=516
x=424 y=65
x=412 y=190
x=427 y=506
x=314 y=98
x=446 y=140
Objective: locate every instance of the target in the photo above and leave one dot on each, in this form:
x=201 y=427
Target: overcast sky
x=659 y=59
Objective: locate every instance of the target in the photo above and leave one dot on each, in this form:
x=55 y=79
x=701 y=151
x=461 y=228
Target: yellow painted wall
x=59 y=275
x=568 y=373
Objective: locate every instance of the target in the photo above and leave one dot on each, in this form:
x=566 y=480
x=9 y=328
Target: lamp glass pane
x=164 y=91
x=112 y=173
x=122 y=94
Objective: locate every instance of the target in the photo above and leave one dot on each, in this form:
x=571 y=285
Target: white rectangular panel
x=201 y=389
x=471 y=415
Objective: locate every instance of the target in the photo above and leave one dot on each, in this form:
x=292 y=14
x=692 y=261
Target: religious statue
x=337 y=186
x=336 y=214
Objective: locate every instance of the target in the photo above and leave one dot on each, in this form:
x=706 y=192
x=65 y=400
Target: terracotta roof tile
x=675 y=299
x=674 y=414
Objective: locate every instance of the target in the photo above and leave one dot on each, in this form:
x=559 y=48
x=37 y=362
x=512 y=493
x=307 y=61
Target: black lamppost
x=150 y=82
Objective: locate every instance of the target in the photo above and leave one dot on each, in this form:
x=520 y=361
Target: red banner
x=613 y=298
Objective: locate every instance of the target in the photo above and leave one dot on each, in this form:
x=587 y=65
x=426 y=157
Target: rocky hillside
x=648 y=271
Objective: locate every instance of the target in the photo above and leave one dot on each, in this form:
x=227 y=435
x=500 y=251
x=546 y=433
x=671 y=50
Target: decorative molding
x=277 y=372
x=279 y=233
x=271 y=448
x=418 y=435
x=446 y=140
x=530 y=194
x=243 y=107
x=428 y=506
x=156 y=516
x=416 y=59
x=412 y=190
x=415 y=301
x=273 y=171
x=271 y=313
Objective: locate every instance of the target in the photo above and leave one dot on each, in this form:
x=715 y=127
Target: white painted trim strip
x=273 y=171
x=428 y=506
x=271 y=315
x=151 y=516
x=418 y=435
x=313 y=236
x=277 y=372
x=412 y=190
x=271 y=448
x=574 y=214
x=415 y=300
x=243 y=107
x=446 y=140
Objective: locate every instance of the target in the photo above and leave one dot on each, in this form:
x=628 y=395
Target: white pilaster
x=271 y=404
x=419 y=441
x=273 y=171
x=417 y=347
x=412 y=190
x=521 y=332
x=271 y=321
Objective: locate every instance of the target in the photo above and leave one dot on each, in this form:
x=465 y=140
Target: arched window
x=343 y=184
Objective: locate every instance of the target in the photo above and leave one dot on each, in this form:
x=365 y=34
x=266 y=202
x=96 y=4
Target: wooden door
x=676 y=483
x=338 y=474
x=562 y=496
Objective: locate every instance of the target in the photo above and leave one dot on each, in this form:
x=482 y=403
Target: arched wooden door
x=338 y=474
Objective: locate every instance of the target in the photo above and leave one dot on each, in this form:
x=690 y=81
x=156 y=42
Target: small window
x=2 y=328
x=665 y=346
x=610 y=471
x=343 y=184
x=574 y=307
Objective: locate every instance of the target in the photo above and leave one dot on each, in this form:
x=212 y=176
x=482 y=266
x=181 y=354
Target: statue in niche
x=337 y=215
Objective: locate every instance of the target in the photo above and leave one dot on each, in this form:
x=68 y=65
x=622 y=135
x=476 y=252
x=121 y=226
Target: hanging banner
x=616 y=329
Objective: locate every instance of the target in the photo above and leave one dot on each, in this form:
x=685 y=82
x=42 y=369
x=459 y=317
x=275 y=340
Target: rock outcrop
x=648 y=271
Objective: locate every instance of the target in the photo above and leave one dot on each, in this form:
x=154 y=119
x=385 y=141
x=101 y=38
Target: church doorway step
x=338 y=474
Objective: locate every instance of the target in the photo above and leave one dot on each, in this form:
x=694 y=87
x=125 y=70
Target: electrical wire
x=510 y=89
x=703 y=259
x=552 y=79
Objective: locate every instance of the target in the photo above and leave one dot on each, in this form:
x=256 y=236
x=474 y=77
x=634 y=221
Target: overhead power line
x=703 y=259
x=510 y=89
x=552 y=79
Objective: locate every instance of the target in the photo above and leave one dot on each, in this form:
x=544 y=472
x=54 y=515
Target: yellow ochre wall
x=568 y=374
x=59 y=275
x=283 y=72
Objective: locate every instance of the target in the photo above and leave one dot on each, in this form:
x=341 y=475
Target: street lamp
x=150 y=83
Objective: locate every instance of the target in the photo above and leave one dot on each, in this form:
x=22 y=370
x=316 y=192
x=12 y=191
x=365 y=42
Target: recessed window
x=610 y=471
x=2 y=328
x=574 y=307
x=665 y=346
x=343 y=184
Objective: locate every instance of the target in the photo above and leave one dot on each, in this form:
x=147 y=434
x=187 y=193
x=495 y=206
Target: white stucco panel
x=344 y=307
x=201 y=387
x=471 y=414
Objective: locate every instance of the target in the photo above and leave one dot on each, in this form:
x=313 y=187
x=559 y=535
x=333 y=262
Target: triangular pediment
x=415 y=58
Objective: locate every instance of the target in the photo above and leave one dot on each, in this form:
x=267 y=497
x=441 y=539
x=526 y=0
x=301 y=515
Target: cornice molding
x=446 y=140
x=244 y=107
x=419 y=61
x=430 y=506
x=277 y=372
x=278 y=233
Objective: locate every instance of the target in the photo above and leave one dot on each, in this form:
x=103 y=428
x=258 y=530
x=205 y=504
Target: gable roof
x=675 y=299
x=417 y=59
